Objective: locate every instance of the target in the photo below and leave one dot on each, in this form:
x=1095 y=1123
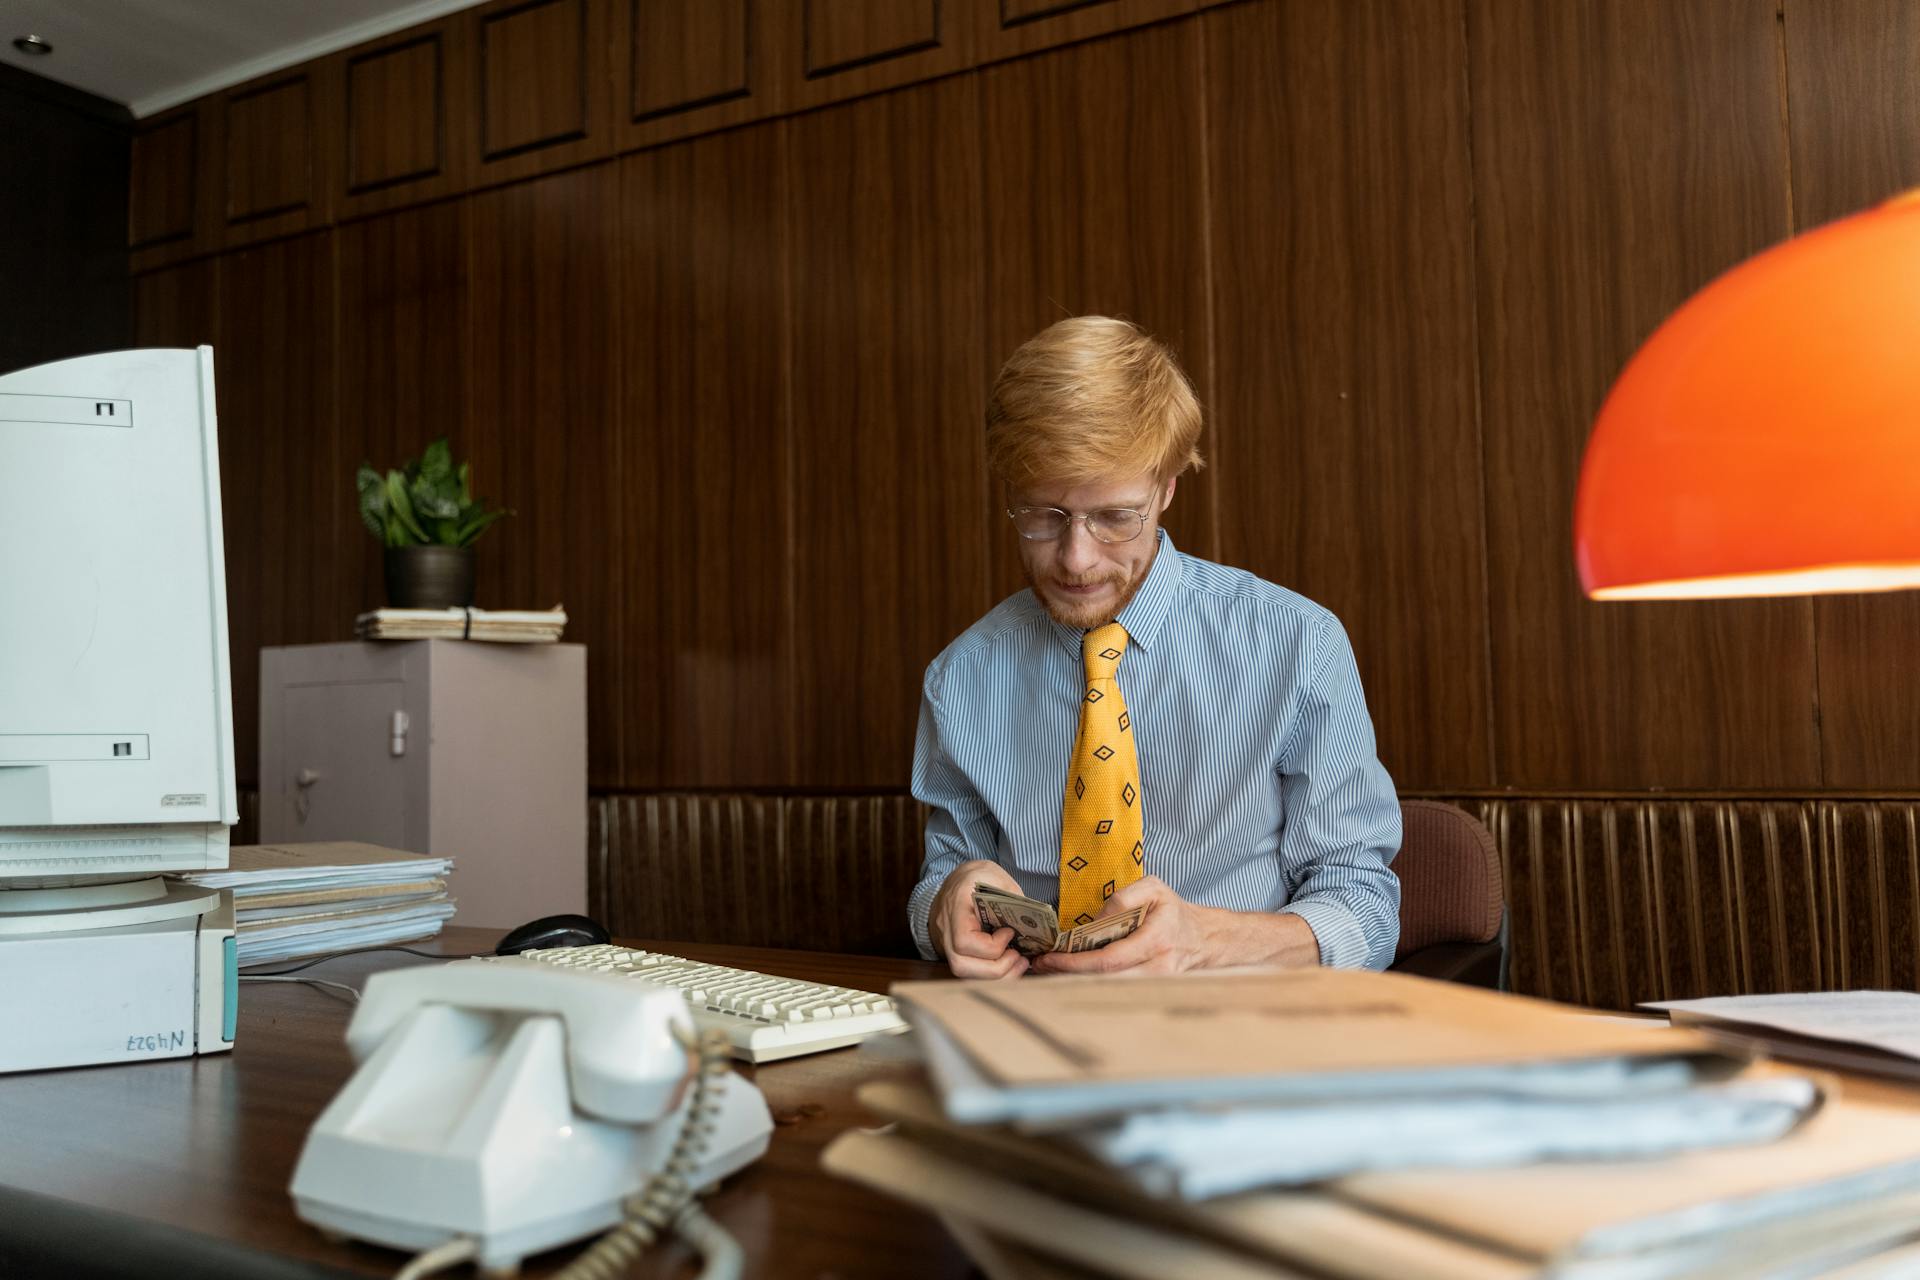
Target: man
x=1142 y=728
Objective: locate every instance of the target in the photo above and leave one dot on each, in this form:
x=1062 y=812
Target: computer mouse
x=552 y=931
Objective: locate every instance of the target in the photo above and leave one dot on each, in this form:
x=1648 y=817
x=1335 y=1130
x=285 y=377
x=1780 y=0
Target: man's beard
x=1093 y=613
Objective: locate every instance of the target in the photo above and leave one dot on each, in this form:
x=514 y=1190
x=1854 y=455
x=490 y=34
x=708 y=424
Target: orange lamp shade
x=1766 y=439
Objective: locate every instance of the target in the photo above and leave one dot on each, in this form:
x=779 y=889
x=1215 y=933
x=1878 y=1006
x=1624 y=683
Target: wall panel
x=1625 y=152
x=406 y=344
x=1347 y=436
x=174 y=186
x=1855 y=96
x=686 y=66
x=407 y=121
x=842 y=48
x=542 y=69
x=274 y=137
x=1013 y=27
x=889 y=558
x=706 y=469
x=1123 y=237
x=175 y=307
x=166 y=160
x=543 y=388
x=285 y=494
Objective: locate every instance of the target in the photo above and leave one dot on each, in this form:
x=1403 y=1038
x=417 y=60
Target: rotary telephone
x=503 y=1107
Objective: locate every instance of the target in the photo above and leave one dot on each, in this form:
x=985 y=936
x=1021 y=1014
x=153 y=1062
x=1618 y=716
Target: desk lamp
x=1766 y=439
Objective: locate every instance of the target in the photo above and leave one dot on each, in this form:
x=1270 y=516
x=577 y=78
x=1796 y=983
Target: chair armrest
x=1475 y=963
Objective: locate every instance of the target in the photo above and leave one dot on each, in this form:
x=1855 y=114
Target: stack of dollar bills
x=1036 y=926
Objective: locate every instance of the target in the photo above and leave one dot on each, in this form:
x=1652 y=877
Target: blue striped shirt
x=1263 y=791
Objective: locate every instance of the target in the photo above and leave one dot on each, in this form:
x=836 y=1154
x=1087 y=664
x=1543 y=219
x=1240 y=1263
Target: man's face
x=1082 y=581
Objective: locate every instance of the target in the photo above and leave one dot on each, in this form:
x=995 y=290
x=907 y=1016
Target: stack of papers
x=525 y=626
x=297 y=900
x=1368 y=1124
x=1872 y=1031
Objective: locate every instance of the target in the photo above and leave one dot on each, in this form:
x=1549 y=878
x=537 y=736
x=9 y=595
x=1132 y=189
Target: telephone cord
x=666 y=1202
x=667 y=1199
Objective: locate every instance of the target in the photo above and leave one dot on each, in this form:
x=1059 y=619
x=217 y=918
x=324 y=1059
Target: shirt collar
x=1150 y=604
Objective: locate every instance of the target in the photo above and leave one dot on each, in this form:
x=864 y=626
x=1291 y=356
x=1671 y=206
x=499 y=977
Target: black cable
x=361 y=951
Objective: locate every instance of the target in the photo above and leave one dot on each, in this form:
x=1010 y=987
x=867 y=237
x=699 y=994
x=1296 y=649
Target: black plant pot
x=430 y=577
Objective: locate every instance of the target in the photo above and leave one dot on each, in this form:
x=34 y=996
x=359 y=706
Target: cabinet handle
x=303 y=798
x=398 y=746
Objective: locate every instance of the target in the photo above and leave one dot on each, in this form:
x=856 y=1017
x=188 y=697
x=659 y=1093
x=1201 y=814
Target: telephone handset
x=518 y=1106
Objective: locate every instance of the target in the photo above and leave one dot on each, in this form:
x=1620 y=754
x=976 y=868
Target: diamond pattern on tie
x=1103 y=794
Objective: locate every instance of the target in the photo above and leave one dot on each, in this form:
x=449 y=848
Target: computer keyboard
x=763 y=1017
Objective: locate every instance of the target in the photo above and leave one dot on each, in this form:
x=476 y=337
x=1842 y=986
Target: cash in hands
x=1036 y=927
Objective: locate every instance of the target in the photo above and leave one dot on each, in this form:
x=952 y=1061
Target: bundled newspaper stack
x=298 y=900
x=1358 y=1124
x=503 y=626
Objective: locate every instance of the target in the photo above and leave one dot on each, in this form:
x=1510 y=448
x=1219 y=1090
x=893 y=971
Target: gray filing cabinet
x=470 y=750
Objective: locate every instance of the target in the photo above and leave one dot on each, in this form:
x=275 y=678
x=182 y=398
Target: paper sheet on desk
x=1884 y=1020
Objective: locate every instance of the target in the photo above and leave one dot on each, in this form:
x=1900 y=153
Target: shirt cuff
x=919 y=907
x=1343 y=943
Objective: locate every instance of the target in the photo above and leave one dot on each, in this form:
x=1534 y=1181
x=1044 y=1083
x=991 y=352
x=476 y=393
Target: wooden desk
x=195 y=1154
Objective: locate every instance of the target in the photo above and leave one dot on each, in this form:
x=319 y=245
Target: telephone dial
x=503 y=1107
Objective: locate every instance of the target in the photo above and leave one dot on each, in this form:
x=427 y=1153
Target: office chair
x=1452 y=897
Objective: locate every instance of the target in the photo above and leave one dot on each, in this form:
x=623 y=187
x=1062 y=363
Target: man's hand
x=1176 y=936
x=954 y=925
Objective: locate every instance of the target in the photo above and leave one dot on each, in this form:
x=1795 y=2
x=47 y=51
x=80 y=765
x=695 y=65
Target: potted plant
x=426 y=518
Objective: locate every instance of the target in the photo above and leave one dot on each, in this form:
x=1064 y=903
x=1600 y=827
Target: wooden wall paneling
x=284 y=496
x=1010 y=28
x=1125 y=235
x=276 y=136
x=1624 y=154
x=1616 y=900
x=1347 y=442
x=694 y=868
x=406 y=124
x=889 y=559
x=706 y=467
x=176 y=306
x=1853 y=98
x=543 y=80
x=174 y=187
x=543 y=391
x=690 y=66
x=405 y=349
x=845 y=48
x=1873 y=924
x=868 y=849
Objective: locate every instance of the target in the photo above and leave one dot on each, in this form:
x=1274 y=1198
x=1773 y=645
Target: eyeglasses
x=1045 y=524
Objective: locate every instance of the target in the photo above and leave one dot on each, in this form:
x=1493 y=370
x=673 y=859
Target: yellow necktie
x=1102 y=842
